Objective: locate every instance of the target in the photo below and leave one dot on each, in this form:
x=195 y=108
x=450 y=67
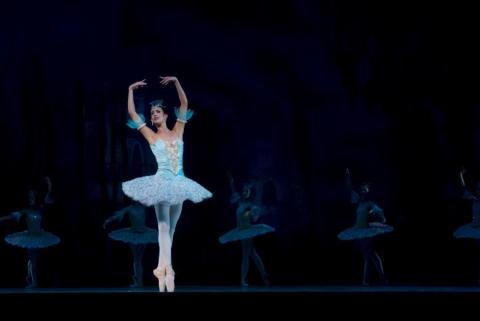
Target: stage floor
x=251 y=290
x=214 y=301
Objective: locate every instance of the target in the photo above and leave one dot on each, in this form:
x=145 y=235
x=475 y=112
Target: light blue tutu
x=131 y=235
x=372 y=230
x=241 y=233
x=29 y=240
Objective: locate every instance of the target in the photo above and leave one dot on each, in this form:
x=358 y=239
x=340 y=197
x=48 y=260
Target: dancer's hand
x=137 y=84
x=48 y=181
x=107 y=221
x=255 y=216
x=166 y=80
x=347 y=172
x=462 y=172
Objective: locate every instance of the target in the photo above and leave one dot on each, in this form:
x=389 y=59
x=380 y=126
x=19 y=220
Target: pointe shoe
x=136 y=283
x=170 y=279
x=266 y=280
x=159 y=273
x=383 y=280
x=31 y=283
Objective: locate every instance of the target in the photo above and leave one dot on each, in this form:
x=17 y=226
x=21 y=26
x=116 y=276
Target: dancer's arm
x=137 y=121
x=13 y=216
x=378 y=212
x=467 y=194
x=462 y=179
x=5 y=218
x=354 y=197
x=256 y=212
x=235 y=197
x=183 y=113
x=48 y=199
x=117 y=216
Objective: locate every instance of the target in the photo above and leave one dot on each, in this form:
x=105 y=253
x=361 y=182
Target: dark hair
x=368 y=184
x=158 y=103
x=250 y=186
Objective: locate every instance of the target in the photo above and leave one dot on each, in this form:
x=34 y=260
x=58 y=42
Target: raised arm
x=467 y=194
x=235 y=197
x=354 y=197
x=183 y=113
x=462 y=179
x=348 y=179
x=48 y=199
x=138 y=121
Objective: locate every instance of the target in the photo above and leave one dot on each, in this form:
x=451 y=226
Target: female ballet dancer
x=247 y=213
x=370 y=221
x=472 y=229
x=35 y=237
x=138 y=235
x=168 y=188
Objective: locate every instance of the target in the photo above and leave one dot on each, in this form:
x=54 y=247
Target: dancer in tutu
x=168 y=188
x=370 y=222
x=138 y=235
x=247 y=213
x=471 y=230
x=34 y=238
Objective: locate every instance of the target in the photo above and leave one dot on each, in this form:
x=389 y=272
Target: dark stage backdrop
x=289 y=93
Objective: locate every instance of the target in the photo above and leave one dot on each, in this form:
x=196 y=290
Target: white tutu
x=169 y=185
x=150 y=190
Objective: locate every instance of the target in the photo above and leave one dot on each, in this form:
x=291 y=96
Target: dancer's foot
x=136 y=283
x=383 y=280
x=266 y=279
x=31 y=283
x=159 y=273
x=170 y=279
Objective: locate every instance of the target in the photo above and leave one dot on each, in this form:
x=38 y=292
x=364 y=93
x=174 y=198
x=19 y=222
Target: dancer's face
x=246 y=192
x=364 y=189
x=31 y=197
x=158 y=116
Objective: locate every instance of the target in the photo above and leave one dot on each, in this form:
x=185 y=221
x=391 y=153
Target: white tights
x=167 y=218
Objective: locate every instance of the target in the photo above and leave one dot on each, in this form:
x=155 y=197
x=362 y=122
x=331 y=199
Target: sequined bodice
x=245 y=213
x=363 y=214
x=33 y=218
x=169 y=157
x=365 y=210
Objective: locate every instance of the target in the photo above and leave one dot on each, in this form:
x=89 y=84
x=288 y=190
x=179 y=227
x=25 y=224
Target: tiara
x=157 y=103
